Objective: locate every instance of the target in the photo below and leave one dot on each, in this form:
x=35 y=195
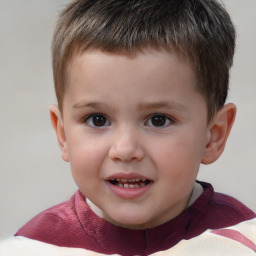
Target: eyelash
x=89 y=119
x=166 y=119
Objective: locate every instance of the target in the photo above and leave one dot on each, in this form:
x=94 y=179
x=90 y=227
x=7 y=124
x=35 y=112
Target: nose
x=126 y=146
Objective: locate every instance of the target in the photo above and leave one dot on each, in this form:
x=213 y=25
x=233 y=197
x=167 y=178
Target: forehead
x=139 y=64
x=120 y=80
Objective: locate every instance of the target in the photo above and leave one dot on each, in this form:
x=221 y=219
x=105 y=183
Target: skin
x=137 y=117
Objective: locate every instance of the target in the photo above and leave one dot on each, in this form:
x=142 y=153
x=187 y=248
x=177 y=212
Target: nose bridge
x=126 y=144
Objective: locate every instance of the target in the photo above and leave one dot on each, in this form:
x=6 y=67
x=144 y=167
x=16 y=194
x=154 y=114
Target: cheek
x=85 y=167
x=178 y=167
x=86 y=157
x=179 y=157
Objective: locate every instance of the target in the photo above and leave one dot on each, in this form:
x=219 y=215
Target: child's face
x=135 y=133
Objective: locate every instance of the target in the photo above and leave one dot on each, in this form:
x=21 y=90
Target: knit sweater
x=73 y=224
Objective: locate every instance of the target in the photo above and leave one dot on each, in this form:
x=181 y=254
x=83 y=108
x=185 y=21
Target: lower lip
x=129 y=193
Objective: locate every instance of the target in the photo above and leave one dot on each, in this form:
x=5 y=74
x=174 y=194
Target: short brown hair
x=201 y=31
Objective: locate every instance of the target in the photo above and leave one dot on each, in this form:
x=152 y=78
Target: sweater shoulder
x=215 y=210
x=215 y=203
x=51 y=223
x=229 y=205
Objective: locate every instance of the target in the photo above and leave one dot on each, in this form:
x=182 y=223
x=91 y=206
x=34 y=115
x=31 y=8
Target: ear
x=58 y=126
x=219 y=130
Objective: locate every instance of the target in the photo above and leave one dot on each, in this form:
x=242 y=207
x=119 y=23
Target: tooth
x=124 y=180
x=136 y=185
x=142 y=184
x=121 y=185
x=131 y=186
x=126 y=185
x=137 y=180
x=117 y=180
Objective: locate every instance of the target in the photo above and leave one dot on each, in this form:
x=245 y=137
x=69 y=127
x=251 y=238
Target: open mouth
x=130 y=183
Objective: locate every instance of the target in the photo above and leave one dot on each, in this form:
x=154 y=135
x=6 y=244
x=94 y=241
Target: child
x=141 y=89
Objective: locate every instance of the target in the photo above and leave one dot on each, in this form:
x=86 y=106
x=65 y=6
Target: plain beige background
x=33 y=176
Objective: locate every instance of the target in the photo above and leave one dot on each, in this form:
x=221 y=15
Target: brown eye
x=158 y=121
x=97 y=120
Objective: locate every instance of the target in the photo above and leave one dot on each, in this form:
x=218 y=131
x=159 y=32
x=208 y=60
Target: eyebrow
x=167 y=104
x=142 y=106
x=83 y=104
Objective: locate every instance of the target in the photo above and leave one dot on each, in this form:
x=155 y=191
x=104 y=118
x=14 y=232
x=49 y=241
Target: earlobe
x=219 y=129
x=58 y=126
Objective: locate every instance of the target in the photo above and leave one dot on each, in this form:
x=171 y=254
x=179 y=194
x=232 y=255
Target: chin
x=131 y=222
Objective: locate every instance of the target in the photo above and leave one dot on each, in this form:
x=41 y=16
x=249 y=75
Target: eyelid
x=169 y=118
x=85 y=120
